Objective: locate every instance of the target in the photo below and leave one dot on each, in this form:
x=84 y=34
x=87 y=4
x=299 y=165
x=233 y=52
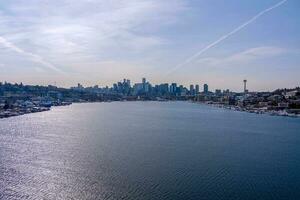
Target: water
x=149 y=150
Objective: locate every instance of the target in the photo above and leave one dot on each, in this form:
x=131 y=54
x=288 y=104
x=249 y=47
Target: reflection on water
x=149 y=150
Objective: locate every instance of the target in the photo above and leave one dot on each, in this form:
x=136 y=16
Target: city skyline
x=95 y=42
x=19 y=99
x=196 y=86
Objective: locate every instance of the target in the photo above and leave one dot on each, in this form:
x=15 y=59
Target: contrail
x=224 y=37
x=33 y=57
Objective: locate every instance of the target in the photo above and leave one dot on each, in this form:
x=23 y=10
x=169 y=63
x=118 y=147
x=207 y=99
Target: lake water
x=149 y=151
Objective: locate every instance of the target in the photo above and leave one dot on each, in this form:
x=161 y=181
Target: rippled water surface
x=149 y=150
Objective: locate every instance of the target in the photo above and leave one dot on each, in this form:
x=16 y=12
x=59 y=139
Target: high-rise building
x=163 y=89
x=173 y=88
x=147 y=87
x=197 y=89
x=128 y=83
x=138 y=88
x=115 y=87
x=205 y=88
x=180 y=90
x=144 y=84
x=192 y=90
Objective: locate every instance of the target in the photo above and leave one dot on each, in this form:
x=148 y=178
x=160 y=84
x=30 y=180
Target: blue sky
x=101 y=42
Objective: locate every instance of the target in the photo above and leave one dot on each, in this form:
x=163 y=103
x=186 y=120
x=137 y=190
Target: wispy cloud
x=100 y=41
x=224 y=37
x=31 y=56
x=246 y=56
x=68 y=32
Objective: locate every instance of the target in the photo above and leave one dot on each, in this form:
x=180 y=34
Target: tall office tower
x=171 y=89
x=174 y=88
x=144 y=84
x=197 y=89
x=128 y=82
x=192 y=91
x=205 y=88
x=245 y=86
x=180 y=89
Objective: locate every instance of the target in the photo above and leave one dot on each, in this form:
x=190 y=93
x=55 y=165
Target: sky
x=91 y=42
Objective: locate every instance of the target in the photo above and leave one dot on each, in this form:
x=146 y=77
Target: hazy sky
x=103 y=41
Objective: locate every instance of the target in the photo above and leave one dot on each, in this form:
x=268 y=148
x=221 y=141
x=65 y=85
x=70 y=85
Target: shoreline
x=24 y=111
x=18 y=111
x=281 y=113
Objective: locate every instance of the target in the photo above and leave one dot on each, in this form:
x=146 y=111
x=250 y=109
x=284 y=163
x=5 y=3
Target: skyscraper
x=128 y=83
x=144 y=84
x=173 y=88
x=192 y=90
x=205 y=88
x=197 y=89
